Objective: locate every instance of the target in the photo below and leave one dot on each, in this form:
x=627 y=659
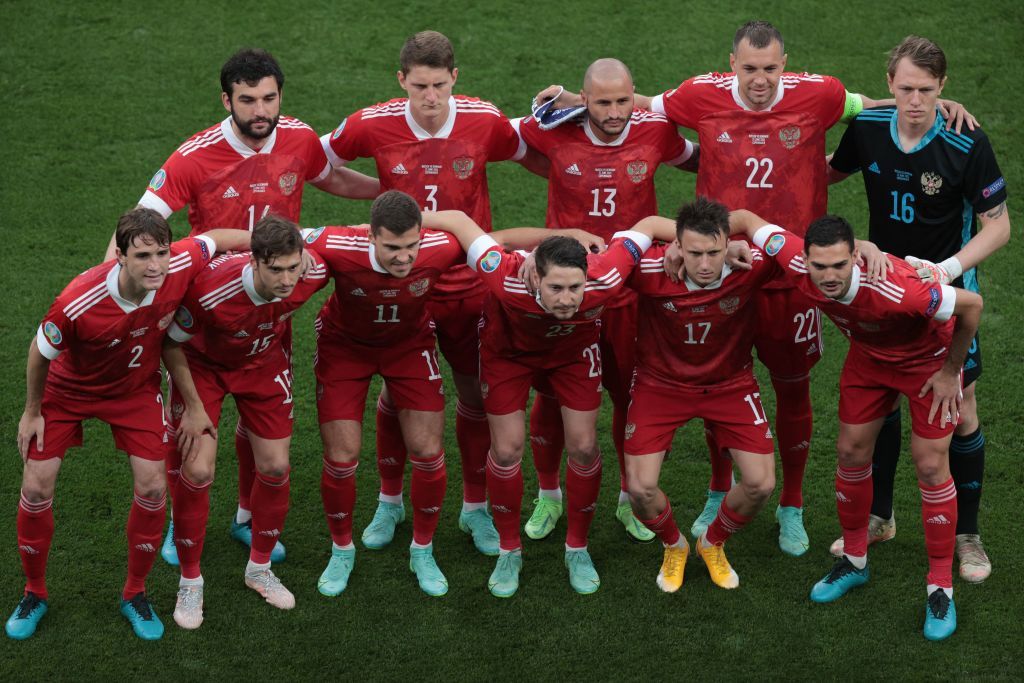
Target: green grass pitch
x=100 y=93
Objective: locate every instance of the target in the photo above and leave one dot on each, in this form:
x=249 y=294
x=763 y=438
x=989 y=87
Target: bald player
x=603 y=157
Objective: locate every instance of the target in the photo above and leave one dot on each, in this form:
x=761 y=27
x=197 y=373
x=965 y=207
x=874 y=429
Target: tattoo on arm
x=996 y=212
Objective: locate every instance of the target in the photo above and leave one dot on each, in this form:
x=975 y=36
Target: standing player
x=252 y=164
x=902 y=341
x=236 y=320
x=919 y=177
x=601 y=176
x=97 y=355
x=762 y=137
x=694 y=345
x=435 y=147
x=549 y=340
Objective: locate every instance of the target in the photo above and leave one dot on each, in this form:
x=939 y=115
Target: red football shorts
x=618 y=349
x=732 y=413
x=868 y=389
x=788 y=337
x=344 y=371
x=263 y=395
x=456 y=328
x=505 y=382
x=136 y=421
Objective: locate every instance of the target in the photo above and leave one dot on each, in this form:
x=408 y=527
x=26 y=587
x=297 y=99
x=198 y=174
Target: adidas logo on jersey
x=114 y=343
x=724 y=137
x=241 y=334
x=937 y=519
x=669 y=306
x=229 y=193
x=874 y=167
x=399 y=170
x=573 y=170
x=358 y=291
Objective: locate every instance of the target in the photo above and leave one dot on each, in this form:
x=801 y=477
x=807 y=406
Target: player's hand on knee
x=674 y=263
x=956 y=115
x=738 y=255
x=194 y=424
x=28 y=427
x=946 y=396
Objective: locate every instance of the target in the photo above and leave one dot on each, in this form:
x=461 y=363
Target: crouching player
x=377 y=323
x=548 y=340
x=97 y=355
x=906 y=337
x=694 y=344
x=234 y=323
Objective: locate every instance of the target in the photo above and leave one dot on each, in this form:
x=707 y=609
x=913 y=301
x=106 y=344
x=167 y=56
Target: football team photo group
x=667 y=314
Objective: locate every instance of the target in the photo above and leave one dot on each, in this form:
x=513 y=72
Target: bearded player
x=601 y=176
x=254 y=163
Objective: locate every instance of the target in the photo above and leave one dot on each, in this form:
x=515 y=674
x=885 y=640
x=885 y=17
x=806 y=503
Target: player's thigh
x=856 y=442
x=580 y=428
x=139 y=423
x=504 y=384
x=736 y=418
x=62 y=426
x=264 y=400
x=931 y=458
x=577 y=383
x=39 y=478
x=342 y=439
x=148 y=476
x=508 y=436
x=867 y=390
x=969 y=422
x=910 y=382
x=654 y=414
x=422 y=431
x=271 y=455
x=201 y=467
x=413 y=377
x=209 y=388
x=788 y=337
x=342 y=382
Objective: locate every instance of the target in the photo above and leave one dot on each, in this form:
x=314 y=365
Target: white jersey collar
x=377 y=267
x=249 y=285
x=851 y=293
x=694 y=287
x=421 y=133
x=735 y=90
x=115 y=292
x=236 y=142
x=598 y=142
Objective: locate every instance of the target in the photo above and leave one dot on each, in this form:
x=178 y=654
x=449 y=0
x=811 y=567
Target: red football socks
x=853 y=502
x=582 y=484
x=35 y=534
x=338 y=492
x=429 y=482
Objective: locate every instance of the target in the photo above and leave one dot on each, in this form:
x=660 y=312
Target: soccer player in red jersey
x=549 y=340
x=234 y=322
x=694 y=345
x=435 y=146
x=254 y=163
x=97 y=355
x=601 y=176
x=902 y=341
x=377 y=322
x=762 y=140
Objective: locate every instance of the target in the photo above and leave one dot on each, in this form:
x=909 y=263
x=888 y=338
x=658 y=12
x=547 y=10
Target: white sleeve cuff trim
x=332 y=157
x=478 y=248
x=658 y=104
x=642 y=240
x=324 y=173
x=763 y=233
x=210 y=244
x=945 y=311
x=45 y=348
x=687 y=153
x=151 y=201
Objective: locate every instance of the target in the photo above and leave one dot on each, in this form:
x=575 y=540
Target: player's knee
x=932 y=471
x=758 y=489
x=276 y=468
x=35 y=491
x=583 y=450
x=153 y=489
x=199 y=473
x=425 y=449
x=507 y=454
x=852 y=454
x=641 y=493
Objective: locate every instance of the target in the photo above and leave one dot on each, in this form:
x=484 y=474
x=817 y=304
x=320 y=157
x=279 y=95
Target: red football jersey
x=771 y=161
x=603 y=187
x=693 y=336
x=226 y=322
x=370 y=306
x=515 y=324
x=443 y=171
x=227 y=184
x=902 y=321
x=104 y=346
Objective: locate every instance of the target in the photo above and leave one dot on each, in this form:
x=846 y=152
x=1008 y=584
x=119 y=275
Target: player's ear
x=401 y=79
x=888 y=80
x=732 y=62
x=455 y=75
x=785 y=56
x=225 y=99
x=942 y=84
